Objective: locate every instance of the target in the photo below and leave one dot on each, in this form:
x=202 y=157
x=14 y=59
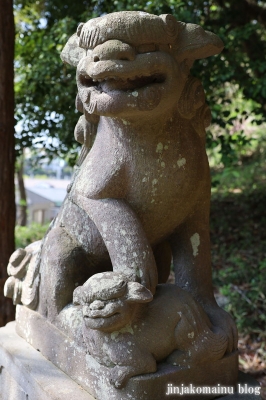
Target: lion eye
x=146 y=48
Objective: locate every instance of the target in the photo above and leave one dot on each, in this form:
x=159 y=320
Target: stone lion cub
x=127 y=329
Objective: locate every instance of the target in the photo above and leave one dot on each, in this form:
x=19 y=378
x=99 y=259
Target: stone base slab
x=27 y=375
x=93 y=377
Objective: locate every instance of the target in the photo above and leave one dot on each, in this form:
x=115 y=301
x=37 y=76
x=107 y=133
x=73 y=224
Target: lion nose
x=97 y=305
x=113 y=50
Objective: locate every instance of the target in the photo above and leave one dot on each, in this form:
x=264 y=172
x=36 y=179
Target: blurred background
x=45 y=149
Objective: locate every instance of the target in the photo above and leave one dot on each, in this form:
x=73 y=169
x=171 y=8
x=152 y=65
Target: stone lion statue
x=141 y=195
x=125 y=328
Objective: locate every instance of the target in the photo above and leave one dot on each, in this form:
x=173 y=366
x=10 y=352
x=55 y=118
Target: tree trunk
x=22 y=215
x=7 y=154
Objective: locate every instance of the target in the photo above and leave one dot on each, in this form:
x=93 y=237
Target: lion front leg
x=120 y=375
x=64 y=265
x=124 y=237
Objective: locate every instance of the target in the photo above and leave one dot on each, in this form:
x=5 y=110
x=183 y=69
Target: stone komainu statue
x=151 y=329
x=142 y=193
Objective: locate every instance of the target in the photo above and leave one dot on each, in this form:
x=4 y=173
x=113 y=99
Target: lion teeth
x=131 y=80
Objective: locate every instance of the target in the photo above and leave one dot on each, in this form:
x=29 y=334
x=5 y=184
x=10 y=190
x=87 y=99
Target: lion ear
x=138 y=293
x=72 y=53
x=193 y=43
x=171 y=25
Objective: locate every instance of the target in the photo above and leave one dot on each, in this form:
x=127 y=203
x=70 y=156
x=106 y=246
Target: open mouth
x=110 y=83
x=100 y=316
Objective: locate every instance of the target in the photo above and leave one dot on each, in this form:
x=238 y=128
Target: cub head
x=109 y=301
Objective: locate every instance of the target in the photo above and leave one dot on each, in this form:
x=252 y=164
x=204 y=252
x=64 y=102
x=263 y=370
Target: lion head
x=130 y=63
x=109 y=301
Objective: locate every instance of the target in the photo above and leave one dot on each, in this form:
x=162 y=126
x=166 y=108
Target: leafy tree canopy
x=235 y=81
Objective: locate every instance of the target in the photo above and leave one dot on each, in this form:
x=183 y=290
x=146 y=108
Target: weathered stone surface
x=25 y=372
x=126 y=329
x=139 y=198
x=27 y=375
x=95 y=378
x=23 y=282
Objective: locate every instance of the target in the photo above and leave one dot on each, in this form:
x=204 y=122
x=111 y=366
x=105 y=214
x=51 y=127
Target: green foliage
x=46 y=89
x=238 y=235
x=235 y=117
x=25 y=235
x=248 y=174
x=247 y=302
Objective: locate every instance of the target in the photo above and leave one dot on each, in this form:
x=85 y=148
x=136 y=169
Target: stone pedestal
x=95 y=378
x=27 y=375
